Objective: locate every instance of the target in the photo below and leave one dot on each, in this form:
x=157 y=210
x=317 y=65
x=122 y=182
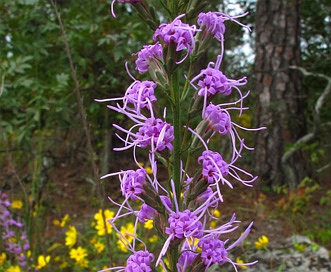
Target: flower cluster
x=183 y=224
x=79 y=254
x=149 y=53
x=13 y=234
x=181 y=206
x=71 y=236
x=262 y=242
x=83 y=250
x=100 y=226
x=140 y=261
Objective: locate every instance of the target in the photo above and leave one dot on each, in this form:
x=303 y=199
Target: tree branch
x=84 y=122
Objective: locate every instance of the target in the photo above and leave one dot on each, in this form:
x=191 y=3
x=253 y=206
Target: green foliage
x=38 y=90
x=38 y=106
x=316 y=30
x=316 y=57
x=300 y=247
x=296 y=201
x=326 y=199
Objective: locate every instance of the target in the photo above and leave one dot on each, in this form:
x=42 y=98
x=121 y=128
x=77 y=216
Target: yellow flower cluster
x=2 y=258
x=262 y=242
x=240 y=261
x=14 y=268
x=149 y=224
x=126 y=237
x=71 y=236
x=79 y=254
x=217 y=214
x=153 y=239
x=99 y=246
x=17 y=204
x=63 y=221
x=148 y=169
x=100 y=226
x=42 y=261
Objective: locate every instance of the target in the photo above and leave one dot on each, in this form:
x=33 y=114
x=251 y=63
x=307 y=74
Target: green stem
x=174 y=258
x=177 y=134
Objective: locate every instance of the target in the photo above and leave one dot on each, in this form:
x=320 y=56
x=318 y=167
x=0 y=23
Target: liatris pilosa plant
x=174 y=116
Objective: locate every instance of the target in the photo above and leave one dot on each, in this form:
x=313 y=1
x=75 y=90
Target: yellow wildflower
x=71 y=236
x=141 y=164
x=100 y=226
x=240 y=261
x=149 y=170
x=216 y=213
x=262 y=242
x=2 y=258
x=64 y=220
x=42 y=261
x=149 y=224
x=56 y=222
x=15 y=268
x=127 y=232
x=194 y=242
x=99 y=246
x=213 y=224
x=82 y=263
x=12 y=240
x=17 y=204
x=78 y=254
x=153 y=239
x=30 y=199
x=63 y=265
x=166 y=261
x=93 y=240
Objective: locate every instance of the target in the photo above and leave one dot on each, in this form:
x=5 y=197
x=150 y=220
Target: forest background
x=56 y=141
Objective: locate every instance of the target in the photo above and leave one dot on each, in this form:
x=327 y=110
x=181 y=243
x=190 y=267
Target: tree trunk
x=280 y=101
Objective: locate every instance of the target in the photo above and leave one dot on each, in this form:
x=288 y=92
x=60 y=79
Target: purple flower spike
x=166 y=202
x=185 y=259
x=203 y=197
x=152 y=132
x=183 y=225
x=157 y=133
x=140 y=261
x=140 y=94
x=147 y=54
x=213 y=23
x=213 y=251
x=132 y=183
x=179 y=33
x=146 y=213
x=213 y=82
x=214 y=167
x=219 y=119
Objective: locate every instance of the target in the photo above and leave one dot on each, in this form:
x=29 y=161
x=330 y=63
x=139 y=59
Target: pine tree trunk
x=280 y=101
